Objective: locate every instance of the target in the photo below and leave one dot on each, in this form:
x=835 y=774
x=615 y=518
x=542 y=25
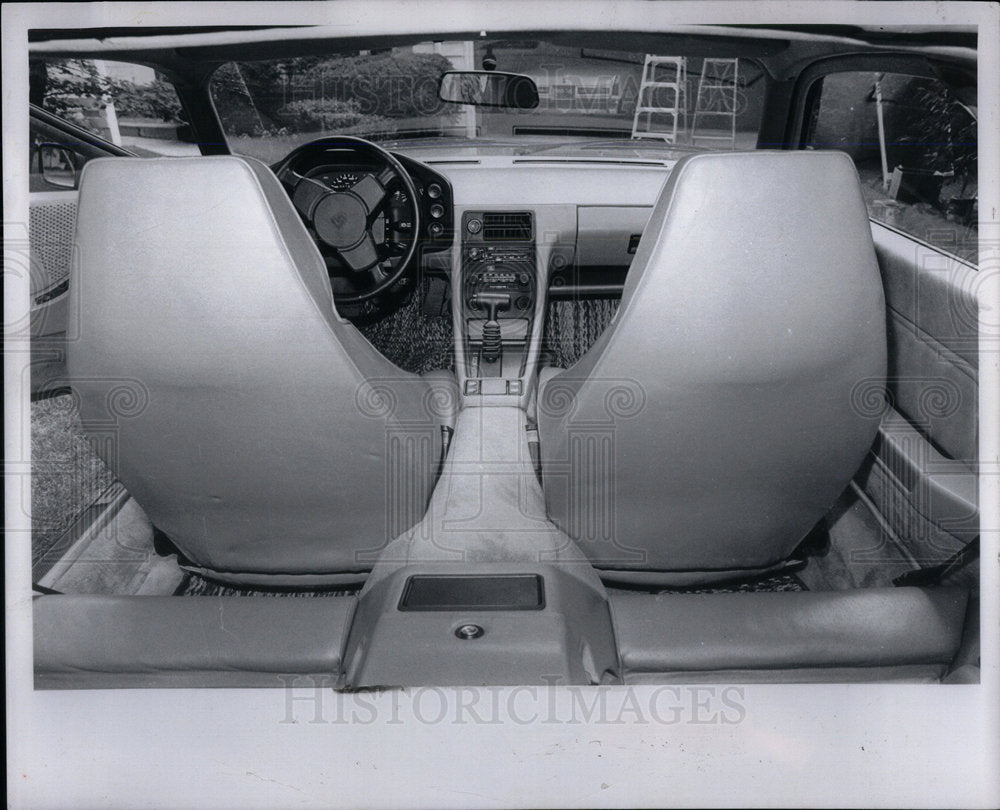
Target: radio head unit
x=494 y=265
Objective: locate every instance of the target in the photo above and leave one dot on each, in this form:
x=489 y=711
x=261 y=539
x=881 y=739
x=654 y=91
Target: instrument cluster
x=434 y=199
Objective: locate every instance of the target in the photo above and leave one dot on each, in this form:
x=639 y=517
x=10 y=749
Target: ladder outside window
x=661 y=105
x=715 y=105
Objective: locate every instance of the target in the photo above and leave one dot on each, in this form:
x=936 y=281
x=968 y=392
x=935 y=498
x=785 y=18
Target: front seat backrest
x=731 y=399
x=259 y=430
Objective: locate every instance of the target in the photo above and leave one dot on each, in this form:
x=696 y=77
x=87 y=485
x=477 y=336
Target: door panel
x=51 y=222
x=52 y=217
x=922 y=474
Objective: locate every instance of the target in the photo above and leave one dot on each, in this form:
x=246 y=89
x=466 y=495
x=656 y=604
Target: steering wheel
x=343 y=220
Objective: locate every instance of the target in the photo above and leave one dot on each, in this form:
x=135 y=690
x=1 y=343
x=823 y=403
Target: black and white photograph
x=502 y=404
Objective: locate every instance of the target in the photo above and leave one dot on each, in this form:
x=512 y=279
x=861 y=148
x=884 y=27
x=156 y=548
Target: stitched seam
x=942 y=350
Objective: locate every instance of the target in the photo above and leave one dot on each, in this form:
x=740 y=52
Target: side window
x=914 y=142
x=129 y=105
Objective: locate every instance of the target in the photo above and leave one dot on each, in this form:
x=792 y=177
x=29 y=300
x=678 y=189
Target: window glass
x=914 y=143
x=129 y=105
x=588 y=99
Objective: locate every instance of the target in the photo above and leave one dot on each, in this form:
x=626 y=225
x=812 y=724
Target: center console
x=499 y=286
x=493 y=594
x=516 y=624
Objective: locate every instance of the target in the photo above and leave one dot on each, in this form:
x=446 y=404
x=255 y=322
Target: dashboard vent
x=507 y=227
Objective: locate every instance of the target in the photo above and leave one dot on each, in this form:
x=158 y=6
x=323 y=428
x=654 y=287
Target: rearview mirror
x=487 y=88
x=57 y=165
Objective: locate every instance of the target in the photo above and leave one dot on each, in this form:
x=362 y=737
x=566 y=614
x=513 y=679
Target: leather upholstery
x=933 y=336
x=867 y=628
x=923 y=474
x=716 y=419
x=259 y=430
x=88 y=642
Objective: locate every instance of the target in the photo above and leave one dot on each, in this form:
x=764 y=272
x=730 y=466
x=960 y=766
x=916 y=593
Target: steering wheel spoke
x=307 y=194
x=371 y=192
x=287 y=175
x=362 y=256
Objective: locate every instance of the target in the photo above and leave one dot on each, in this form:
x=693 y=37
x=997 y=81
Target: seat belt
x=935 y=574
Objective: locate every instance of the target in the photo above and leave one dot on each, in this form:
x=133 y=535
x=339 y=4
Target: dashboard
x=589 y=214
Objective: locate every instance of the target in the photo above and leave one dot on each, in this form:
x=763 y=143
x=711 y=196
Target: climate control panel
x=498 y=256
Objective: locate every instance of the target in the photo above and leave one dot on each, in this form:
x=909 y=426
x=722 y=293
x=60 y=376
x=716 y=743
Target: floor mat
x=67 y=476
x=199 y=586
x=413 y=339
x=857 y=553
x=196 y=585
x=420 y=342
x=779 y=582
x=114 y=553
x=572 y=327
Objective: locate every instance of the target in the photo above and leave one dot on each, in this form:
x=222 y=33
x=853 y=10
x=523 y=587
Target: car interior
x=550 y=405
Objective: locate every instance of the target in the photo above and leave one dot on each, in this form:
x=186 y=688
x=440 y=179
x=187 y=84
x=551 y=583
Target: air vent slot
x=514 y=226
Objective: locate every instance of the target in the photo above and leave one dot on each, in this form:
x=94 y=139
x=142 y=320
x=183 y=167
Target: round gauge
x=341 y=181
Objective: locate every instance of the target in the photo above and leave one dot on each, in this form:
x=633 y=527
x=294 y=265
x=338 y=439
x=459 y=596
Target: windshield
x=588 y=98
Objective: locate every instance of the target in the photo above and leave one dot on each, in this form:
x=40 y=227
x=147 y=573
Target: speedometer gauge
x=342 y=181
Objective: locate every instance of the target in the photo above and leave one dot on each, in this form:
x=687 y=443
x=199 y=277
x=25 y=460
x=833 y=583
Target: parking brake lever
x=492 y=303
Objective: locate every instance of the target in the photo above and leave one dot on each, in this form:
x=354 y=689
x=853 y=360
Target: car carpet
x=414 y=339
x=778 y=582
x=853 y=549
x=772 y=584
x=419 y=342
x=572 y=327
x=67 y=476
x=196 y=585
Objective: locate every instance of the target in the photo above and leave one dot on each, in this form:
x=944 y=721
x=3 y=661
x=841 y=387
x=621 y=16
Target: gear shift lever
x=492 y=303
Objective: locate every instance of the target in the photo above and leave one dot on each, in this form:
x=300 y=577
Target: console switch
x=493 y=386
